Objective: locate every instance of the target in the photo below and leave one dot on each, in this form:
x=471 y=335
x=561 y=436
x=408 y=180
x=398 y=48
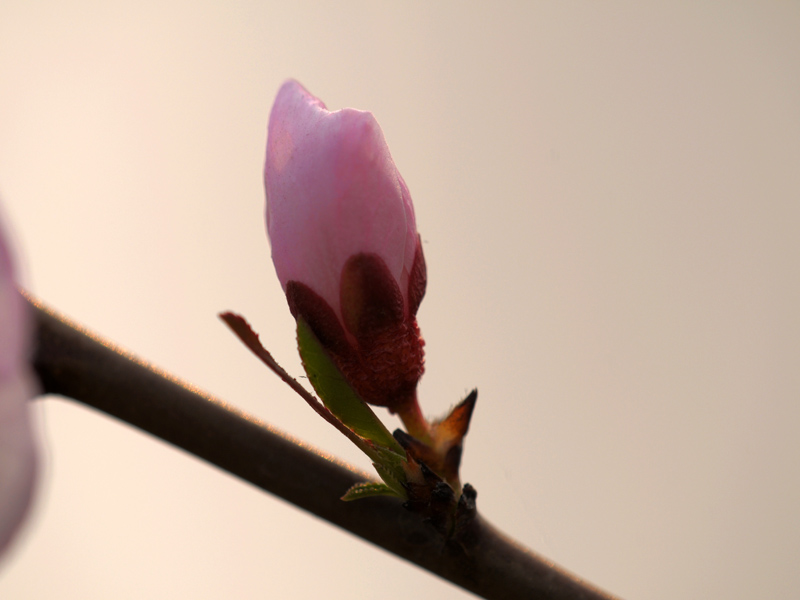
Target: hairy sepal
x=337 y=394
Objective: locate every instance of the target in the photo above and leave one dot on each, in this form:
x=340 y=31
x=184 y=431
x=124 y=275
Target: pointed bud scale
x=345 y=243
x=443 y=452
x=17 y=450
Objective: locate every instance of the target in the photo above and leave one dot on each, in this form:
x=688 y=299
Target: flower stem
x=415 y=422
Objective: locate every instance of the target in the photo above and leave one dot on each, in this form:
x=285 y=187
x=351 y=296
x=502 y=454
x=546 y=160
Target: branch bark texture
x=72 y=362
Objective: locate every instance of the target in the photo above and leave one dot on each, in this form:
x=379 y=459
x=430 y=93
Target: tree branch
x=74 y=363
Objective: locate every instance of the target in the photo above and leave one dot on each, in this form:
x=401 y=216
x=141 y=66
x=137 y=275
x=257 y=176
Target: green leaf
x=337 y=395
x=367 y=490
x=391 y=479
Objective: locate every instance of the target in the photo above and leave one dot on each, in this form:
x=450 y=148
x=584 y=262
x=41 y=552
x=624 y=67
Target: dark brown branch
x=74 y=363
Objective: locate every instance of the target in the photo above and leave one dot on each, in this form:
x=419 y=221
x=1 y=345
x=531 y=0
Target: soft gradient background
x=609 y=196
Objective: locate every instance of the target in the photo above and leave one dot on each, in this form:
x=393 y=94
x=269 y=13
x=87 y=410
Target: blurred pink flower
x=17 y=450
x=345 y=243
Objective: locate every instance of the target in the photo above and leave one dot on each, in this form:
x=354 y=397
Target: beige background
x=609 y=197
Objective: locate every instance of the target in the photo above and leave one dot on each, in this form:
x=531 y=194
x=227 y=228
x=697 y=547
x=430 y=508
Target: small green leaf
x=367 y=490
x=391 y=479
x=336 y=393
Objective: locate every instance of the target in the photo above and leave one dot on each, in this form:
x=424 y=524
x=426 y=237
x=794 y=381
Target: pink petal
x=333 y=191
x=17 y=449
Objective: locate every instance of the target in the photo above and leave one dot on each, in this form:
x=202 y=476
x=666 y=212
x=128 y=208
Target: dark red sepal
x=305 y=302
x=370 y=297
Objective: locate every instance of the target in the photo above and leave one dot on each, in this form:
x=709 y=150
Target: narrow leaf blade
x=367 y=490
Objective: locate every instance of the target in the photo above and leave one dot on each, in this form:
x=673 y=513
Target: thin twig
x=249 y=338
x=74 y=363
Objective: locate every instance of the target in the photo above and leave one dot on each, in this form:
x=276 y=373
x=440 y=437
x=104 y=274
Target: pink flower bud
x=345 y=243
x=17 y=451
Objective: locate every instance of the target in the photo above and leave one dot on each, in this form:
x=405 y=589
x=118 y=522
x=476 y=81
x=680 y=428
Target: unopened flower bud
x=345 y=244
